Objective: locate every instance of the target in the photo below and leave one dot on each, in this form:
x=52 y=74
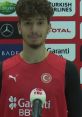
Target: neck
x=31 y=55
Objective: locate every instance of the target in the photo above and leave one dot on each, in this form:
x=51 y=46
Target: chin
x=35 y=46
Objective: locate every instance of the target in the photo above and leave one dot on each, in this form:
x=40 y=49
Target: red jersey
x=20 y=78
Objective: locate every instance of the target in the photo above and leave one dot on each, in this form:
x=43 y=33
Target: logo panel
x=63 y=7
x=81 y=30
x=7 y=7
x=67 y=51
x=81 y=75
x=8 y=50
x=80 y=7
x=9 y=30
x=62 y=30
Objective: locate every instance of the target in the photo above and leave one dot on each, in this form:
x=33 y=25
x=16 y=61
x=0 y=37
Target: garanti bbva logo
x=24 y=106
x=7 y=7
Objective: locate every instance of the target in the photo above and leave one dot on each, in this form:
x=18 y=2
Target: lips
x=34 y=37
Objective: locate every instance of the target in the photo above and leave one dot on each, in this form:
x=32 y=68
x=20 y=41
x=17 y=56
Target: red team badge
x=46 y=78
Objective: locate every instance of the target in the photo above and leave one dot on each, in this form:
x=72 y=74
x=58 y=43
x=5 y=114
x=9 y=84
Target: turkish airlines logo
x=63 y=7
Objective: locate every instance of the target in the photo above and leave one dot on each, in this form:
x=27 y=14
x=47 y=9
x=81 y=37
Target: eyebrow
x=40 y=19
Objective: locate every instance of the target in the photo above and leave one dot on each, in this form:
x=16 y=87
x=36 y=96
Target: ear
x=19 y=27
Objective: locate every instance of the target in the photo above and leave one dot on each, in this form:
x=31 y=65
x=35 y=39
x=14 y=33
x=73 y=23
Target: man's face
x=34 y=30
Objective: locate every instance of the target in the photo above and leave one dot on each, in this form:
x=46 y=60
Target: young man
x=35 y=67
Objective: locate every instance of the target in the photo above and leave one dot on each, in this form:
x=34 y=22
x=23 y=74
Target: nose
x=34 y=28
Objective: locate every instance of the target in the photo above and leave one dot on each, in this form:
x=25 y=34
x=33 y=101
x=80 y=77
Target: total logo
x=62 y=30
x=24 y=106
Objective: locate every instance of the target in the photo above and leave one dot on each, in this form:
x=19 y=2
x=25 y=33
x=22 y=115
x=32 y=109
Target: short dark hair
x=29 y=8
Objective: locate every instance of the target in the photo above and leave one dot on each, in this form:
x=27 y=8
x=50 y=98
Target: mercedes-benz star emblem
x=6 y=30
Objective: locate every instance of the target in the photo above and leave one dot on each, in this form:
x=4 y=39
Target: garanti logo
x=7 y=7
x=12 y=101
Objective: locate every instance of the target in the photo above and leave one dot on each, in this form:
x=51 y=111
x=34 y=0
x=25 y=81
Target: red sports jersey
x=20 y=78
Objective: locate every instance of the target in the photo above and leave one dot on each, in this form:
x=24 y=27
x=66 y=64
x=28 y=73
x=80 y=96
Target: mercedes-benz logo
x=6 y=30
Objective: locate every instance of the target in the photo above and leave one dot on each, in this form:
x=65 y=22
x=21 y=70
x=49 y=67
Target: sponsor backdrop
x=64 y=39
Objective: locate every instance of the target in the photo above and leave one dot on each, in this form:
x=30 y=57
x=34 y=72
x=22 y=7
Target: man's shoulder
x=10 y=62
x=57 y=59
x=57 y=62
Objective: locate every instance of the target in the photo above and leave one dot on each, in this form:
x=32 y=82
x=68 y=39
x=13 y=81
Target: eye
x=40 y=22
x=28 y=23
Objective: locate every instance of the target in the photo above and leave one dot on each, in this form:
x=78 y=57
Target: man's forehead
x=36 y=18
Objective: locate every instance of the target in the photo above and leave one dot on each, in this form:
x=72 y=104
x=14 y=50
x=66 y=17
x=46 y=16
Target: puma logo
x=13 y=77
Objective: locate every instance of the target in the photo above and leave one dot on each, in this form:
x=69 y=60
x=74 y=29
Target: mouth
x=34 y=37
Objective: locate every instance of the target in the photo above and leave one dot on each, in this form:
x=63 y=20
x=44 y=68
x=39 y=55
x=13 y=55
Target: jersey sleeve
x=72 y=90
